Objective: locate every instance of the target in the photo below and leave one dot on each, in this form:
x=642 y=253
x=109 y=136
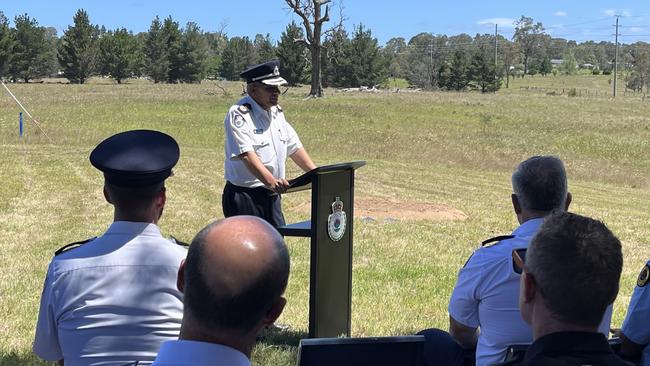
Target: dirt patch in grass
x=375 y=208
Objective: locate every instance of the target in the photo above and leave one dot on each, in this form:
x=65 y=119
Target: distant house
x=587 y=66
x=556 y=62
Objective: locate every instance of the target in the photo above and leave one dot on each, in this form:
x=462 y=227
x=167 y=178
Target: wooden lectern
x=330 y=230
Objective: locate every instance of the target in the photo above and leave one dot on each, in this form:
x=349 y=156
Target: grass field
x=448 y=150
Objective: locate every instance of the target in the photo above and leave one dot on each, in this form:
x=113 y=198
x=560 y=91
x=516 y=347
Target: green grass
x=452 y=149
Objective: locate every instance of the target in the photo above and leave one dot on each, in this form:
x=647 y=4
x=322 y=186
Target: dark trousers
x=259 y=202
x=441 y=349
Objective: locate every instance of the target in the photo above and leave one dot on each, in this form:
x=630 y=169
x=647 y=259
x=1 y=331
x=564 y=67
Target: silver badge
x=336 y=221
x=276 y=71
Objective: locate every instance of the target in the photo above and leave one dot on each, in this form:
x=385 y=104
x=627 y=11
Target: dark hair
x=576 y=262
x=540 y=183
x=238 y=312
x=133 y=199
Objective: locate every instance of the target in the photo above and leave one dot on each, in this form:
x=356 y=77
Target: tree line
x=169 y=53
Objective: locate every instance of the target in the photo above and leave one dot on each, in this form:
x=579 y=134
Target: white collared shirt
x=112 y=300
x=486 y=295
x=636 y=325
x=194 y=353
x=267 y=133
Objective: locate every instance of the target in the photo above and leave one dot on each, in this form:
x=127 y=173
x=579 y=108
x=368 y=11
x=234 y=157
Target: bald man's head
x=236 y=270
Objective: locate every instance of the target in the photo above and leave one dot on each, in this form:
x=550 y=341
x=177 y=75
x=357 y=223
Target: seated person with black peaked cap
x=233 y=279
x=112 y=300
x=258 y=141
x=570 y=276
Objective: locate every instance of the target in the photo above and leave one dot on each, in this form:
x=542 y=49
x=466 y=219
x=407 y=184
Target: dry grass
x=452 y=150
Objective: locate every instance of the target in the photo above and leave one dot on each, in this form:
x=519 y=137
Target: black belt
x=257 y=190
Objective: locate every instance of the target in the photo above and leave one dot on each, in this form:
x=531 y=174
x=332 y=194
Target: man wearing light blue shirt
x=233 y=280
x=113 y=300
x=635 y=334
x=484 y=309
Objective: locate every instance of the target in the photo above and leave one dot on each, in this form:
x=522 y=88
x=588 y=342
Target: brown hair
x=576 y=262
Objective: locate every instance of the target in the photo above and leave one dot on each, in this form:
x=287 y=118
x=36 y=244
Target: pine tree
x=172 y=36
x=193 y=54
x=29 y=55
x=6 y=44
x=78 y=49
x=237 y=56
x=366 y=65
x=263 y=48
x=545 y=66
x=118 y=54
x=293 y=56
x=481 y=73
x=335 y=63
x=458 y=71
x=155 y=50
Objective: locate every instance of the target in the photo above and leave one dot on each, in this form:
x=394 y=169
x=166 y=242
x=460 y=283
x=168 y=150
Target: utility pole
x=431 y=62
x=496 y=47
x=496 y=31
x=616 y=57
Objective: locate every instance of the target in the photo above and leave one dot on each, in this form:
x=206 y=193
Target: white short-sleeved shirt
x=636 y=325
x=267 y=133
x=194 y=353
x=112 y=300
x=486 y=295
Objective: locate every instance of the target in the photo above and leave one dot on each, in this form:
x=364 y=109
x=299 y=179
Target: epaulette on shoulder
x=244 y=108
x=176 y=241
x=496 y=240
x=279 y=108
x=71 y=246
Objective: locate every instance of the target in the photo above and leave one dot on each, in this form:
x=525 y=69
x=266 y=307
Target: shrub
x=595 y=71
x=572 y=92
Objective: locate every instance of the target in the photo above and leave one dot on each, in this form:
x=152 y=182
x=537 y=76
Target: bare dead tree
x=310 y=12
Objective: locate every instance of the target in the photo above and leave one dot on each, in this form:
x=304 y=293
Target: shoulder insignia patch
x=496 y=240
x=74 y=245
x=279 y=108
x=643 y=276
x=176 y=241
x=238 y=120
x=244 y=108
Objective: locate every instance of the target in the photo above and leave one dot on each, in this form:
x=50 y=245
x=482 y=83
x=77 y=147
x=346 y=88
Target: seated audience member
x=635 y=334
x=113 y=300
x=570 y=276
x=483 y=312
x=233 y=279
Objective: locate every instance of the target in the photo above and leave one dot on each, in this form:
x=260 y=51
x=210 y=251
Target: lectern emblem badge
x=336 y=221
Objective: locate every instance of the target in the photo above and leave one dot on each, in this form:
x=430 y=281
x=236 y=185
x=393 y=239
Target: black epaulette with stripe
x=496 y=240
x=176 y=241
x=71 y=246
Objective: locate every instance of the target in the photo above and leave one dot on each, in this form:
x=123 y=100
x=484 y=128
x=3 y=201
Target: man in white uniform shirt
x=113 y=300
x=233 y=279
x=484 y=309
x=258 y=141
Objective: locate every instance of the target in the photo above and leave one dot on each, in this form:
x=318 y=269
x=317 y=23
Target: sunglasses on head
x=519 y=260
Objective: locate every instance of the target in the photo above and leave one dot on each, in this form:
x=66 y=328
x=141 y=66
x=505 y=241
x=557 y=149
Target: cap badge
x=276 y=71
x=336 y=221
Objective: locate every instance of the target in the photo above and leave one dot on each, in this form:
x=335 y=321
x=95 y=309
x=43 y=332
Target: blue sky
x=577 y=20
